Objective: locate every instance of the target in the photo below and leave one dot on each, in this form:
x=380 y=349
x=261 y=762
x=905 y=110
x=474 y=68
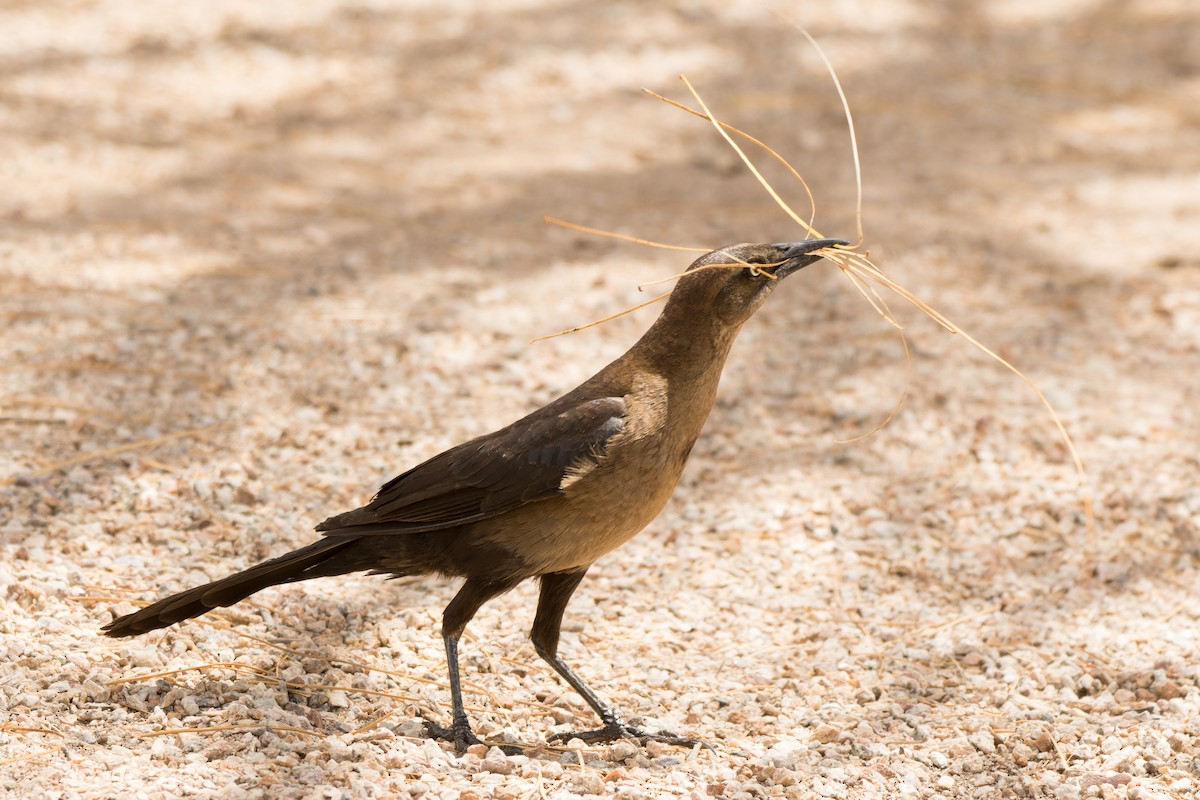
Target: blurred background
x=257 y=258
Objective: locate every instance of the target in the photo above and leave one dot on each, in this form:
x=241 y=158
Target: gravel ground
x=258 y=258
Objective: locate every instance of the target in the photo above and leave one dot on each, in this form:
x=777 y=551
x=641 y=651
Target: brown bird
x=546 y=496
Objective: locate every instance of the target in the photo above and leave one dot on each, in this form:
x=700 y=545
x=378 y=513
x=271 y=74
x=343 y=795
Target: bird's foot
x=462 y=737
x=616 y=729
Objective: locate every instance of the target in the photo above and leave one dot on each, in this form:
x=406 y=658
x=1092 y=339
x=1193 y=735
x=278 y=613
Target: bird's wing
x=485 y=477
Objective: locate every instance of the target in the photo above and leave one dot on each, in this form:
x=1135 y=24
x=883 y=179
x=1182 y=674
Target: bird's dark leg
x=556 y=590
x=473 y=594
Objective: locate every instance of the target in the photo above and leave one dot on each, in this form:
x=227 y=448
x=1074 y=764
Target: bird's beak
x=798 y=255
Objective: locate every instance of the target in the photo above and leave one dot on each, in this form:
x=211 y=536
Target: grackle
x=549 y=494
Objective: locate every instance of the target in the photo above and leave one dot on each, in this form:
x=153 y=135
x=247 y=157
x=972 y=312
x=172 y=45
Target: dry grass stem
x=609 y=318
x=28 y=756
x=113 y=451
x=467 y=686
x=924 y=632
x=750 y=164
x=19 y=731
x=849 y=124
x=571 y=226
x=266 y=677
x=812 y=202
x=86 y=411
x=247 y=727
x=374 y=723
x=737 y=263
x=858 y=264
x=231 y=665
x=101 y=366
x=863 y=268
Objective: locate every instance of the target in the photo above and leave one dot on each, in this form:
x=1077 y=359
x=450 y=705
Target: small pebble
x=622 y=749
x=826 y=734
x=1118 y=779
x=1043 y=742
x=499 y=765
x=588 y=782
x=983 y=741
x=784 y=753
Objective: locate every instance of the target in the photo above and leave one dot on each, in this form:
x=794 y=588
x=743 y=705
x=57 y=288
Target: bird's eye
x=752 y=270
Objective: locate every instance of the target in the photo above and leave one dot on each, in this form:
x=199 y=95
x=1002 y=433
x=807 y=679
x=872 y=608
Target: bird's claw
x=462 y=737
x=613 y=731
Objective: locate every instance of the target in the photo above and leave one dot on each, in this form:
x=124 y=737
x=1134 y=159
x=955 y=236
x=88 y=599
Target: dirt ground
x=257 y=258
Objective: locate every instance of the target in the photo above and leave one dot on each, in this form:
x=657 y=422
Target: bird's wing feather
x=485 y=477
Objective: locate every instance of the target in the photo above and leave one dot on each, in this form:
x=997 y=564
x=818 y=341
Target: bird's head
x=732 y=293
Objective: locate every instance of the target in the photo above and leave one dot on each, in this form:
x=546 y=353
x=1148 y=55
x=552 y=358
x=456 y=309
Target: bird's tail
x=314 y=561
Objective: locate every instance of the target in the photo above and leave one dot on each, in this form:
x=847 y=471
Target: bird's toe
x=462 y=737
x=620 y=730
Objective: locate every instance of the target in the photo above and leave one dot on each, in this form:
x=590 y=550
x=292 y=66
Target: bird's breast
x=602 y=508
x=633 y=479
x=608 y=499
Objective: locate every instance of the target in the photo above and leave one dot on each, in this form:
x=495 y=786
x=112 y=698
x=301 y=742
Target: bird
x=546 y=496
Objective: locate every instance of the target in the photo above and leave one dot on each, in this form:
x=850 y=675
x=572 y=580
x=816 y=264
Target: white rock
x=785 y=753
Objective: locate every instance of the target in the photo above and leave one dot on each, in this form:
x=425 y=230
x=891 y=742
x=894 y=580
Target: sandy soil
x=257 y=258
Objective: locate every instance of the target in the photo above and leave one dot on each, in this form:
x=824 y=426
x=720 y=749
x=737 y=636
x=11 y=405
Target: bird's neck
x=684 y=347
x=686 y=360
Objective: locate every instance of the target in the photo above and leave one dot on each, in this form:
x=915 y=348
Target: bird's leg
x=556 y=590
x=473 y=594
x=459 y=732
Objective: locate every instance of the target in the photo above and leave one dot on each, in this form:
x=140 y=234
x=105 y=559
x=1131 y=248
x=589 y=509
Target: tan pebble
x=497 y=766
x=588 y=783
x=1124 y=696
x=622 y=750
x=826 y=734
x=1168 y=690
x=1119 y=779
x=973 y=659
x=656 y=749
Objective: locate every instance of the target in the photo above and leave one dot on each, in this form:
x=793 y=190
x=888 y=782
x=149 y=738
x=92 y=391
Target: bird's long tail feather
x=313 y=561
